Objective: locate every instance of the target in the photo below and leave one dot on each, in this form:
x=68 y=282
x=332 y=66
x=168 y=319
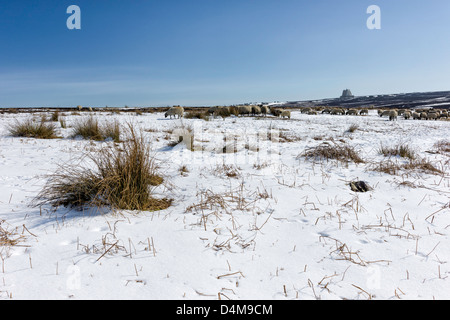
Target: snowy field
x=259 y=222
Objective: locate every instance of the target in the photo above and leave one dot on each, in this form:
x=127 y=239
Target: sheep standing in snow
x=175 y=111
x=80 y=108
x=433 y=115
x=306 y=110
x=385 y=113
x=285 y=113
x=407 y=115
x=265 y=110
x=352 y=112
x=393 y=115
x=364 y=111
x=276 y=112
x=221 y=112
x=337 y=111
x=416 y=115
x=423 y=115
x=256 y=110
x=245 y=110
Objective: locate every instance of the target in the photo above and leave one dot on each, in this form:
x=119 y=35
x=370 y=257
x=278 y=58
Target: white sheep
x=385 y=113
x=265 y=110
x=306 y=110
x=393 y=115
x=285 y=113
x=407 y=115
x=433 y=115
x=276 y=112
x=245 y=110
x=175 y=111
x=364 y=111
x=256 y=110
x=415 y=115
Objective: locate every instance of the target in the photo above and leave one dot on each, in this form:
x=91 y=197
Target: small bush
x=325 y=151
x=121 y=178
x=33 y=129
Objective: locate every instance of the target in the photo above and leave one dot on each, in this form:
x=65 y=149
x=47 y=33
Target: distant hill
x=402 y=100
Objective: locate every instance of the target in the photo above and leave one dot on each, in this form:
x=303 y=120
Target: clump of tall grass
x=90 y=128
x=63 y=123
x=442 y=146
x=400 y=150
x=32 y=129
x=120 y=178
x=55 y=116
x=326 y=151
x=352 y=128
x=203 y=115
x=412 y=165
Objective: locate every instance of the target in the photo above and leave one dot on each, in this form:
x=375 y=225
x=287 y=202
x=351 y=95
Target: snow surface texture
x=257 y=223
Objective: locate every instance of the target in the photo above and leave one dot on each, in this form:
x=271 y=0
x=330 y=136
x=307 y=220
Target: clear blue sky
x=210 y=52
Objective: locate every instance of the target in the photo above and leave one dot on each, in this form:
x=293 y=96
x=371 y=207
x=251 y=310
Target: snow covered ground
x=259 y=222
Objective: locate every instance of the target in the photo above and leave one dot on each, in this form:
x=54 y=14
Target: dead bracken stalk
x=9 y=238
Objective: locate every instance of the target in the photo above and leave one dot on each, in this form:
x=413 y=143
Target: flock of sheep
x=248 y=110
x=419 y=114
x=393 y=114
x=178 y=112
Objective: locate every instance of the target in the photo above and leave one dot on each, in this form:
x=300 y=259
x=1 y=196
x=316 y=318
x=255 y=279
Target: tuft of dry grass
x=352 y=128
x=400 y=150
x=121 y=178
x=89 y=128
x=32 y=129
x=203 y=115
x=417 y=164
x=183 y=170
x=63 y=123
x=442 y=146
x=326 y=151
x=9 y=238
x=181 y=134
x=229 y=171
x=55 y=116
x=111 y=131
